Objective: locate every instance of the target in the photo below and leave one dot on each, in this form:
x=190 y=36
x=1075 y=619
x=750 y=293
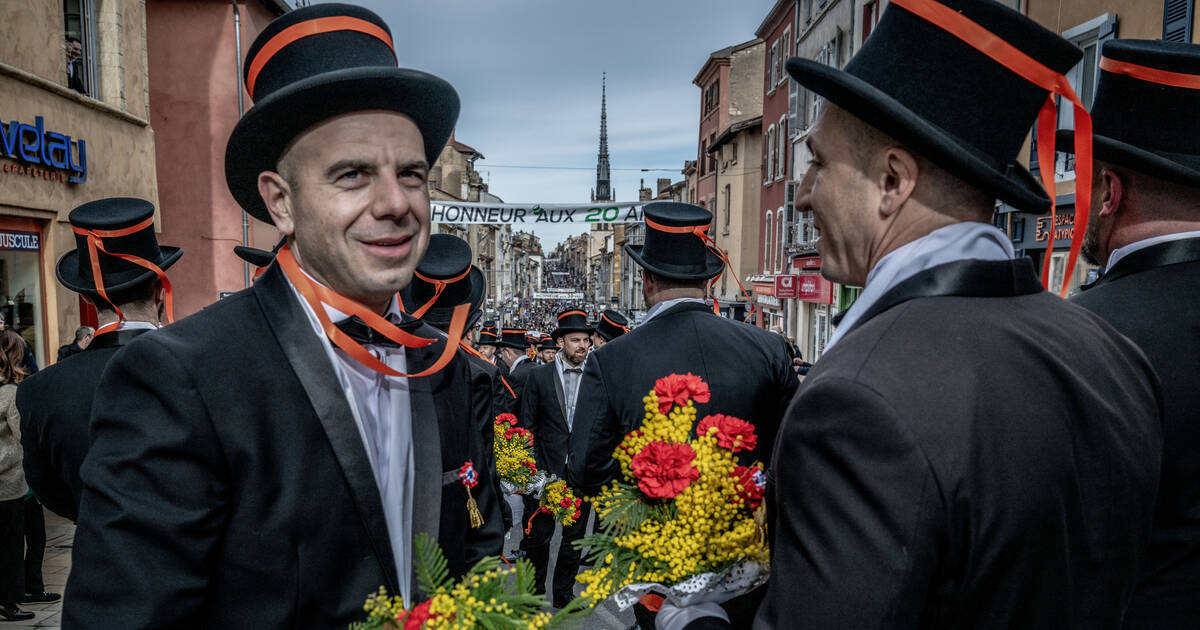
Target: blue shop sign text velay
x=34 y=145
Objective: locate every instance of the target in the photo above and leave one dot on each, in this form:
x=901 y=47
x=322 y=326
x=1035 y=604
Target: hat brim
x=566 y=330
x=712 y=265
x=440 y=316
x=1181 y=168
x=1013 y=185
x=254 y=256
x=261 y=135
x=67 y=271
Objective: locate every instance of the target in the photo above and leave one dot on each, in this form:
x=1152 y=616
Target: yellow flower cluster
x=552 y=499
x=671 y=427
x=383 y=607
x=712 y=527
x=459 y=608
x=514 y=457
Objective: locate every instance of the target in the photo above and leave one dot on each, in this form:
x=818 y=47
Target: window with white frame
x=779 y=240
x=772 y=66
x=769 y=171
x=785 y=44
x=781 y=152
x=79 y=28
x=767 y=240
x=1089 y=36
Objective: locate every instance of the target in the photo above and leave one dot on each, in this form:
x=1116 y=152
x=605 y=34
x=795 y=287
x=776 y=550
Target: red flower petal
x=733 y=433
x=676 y=389
x=664 y=469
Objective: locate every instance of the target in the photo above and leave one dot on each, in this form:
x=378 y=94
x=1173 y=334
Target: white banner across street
x=532 y=214
x=558 y=295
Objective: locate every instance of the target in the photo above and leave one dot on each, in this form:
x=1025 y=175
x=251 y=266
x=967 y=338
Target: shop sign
x=42 y=150
x=787 y=287
x=767 y=300
x=814 y=288
x=764 y=289
x=20 y=241
x=807 y=262
x=1064 y=225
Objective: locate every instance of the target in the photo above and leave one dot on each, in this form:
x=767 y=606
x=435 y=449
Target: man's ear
x=277 y=196
x=897 y=179
x=1111 y=192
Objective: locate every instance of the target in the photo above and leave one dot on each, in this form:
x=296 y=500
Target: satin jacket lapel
x=1169 y=253
x=311 y=366
x=964 y=278
x=427 y=440
x=562 y=399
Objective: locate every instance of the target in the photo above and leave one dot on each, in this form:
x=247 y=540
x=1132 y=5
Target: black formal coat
x=227 y=485
x=516 y=378
x=55 y=406
x=748 y=371
x=974 y=453
x=544 y=412
x=1152 y=296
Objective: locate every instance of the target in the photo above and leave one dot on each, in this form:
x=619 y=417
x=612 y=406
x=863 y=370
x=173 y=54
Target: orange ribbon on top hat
x=319 y=296
x=95 y=243
x=438 y=287
x=1037 y=73
x=701 y=231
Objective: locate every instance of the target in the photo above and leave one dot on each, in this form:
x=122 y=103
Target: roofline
x=759 y=32
x=733 y=131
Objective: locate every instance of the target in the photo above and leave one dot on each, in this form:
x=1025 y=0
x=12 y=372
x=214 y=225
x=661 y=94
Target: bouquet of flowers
x=683 y=519
x=515 y=465
x=559 y=502
x=486 y=597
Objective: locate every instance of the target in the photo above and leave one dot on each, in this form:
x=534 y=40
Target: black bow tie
x=359 y=331
x=575 y=370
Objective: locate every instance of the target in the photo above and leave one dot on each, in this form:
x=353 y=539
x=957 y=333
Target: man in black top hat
x=547 y=349
x=971 y=451
x=55 y=404
x=548 y=410
x=609 y=326
x=269 y=461
x=514 y=354
x=1144 y=229
x=489 y=336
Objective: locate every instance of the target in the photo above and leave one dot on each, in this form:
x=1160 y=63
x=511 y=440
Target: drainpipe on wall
x=237 y=38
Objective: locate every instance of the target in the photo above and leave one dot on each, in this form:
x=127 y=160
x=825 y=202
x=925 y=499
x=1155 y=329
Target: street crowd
x=970 y=451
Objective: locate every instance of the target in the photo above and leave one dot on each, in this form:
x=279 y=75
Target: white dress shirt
x=382 y=410
x=570 y=384
x=1121 y=252
x=958 y=241
x=132 y=324
x=666 y=304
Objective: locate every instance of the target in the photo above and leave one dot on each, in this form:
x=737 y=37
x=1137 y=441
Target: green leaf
x=431 y=570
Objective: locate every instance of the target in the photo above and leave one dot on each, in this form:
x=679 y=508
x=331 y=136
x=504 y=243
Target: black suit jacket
x=55 y=406
x=543 y=411
x=748 y=371
x=975 y=453
x=227 y=484
x=516 y=378
x=1152 y=296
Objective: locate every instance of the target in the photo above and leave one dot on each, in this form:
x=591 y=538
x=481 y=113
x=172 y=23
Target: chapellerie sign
x=41 y=153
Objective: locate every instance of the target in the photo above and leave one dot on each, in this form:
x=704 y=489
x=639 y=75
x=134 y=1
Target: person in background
x=12 y=487
x=83 y=336
x=74 y=49
x=609 y=326
x=547 y=350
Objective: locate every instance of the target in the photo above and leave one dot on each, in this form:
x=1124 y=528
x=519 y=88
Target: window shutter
x=1177 y=20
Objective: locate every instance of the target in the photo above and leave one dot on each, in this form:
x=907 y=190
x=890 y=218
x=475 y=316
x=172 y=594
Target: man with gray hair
x=83 y=336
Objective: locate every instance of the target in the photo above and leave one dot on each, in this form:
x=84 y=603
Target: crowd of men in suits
x=971 y=451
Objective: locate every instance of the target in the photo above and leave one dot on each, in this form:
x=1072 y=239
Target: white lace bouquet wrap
x=739 y=579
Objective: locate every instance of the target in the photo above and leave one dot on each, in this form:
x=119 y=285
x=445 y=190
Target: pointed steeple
x=603 y=190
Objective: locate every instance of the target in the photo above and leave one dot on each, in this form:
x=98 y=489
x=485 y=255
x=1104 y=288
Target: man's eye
x=410 y=174
x=350 y=175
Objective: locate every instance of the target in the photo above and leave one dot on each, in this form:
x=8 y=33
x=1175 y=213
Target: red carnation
x=733 y=433
x=506 y=418
x=577 y=515
x=578 y=502
x=417 y=616
x=676 y=389
x=565 y=502
x=664 y=469
x=752 y=484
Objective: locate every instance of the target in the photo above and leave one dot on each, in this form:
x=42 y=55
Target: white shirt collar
x=133 y=324
x=1121 y=252
x=958 y=241
x=661 y=307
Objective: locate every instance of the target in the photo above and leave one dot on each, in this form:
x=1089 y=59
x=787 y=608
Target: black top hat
x=611 y=325
x=447 y=263
x=946 y=100
x=547 y=343
x=513 y=338
x=318 y=62
x=74 y=269
x=1144 y=113
x=570 y=321
x=672 y=248
x=488 y=335
x=254 y=256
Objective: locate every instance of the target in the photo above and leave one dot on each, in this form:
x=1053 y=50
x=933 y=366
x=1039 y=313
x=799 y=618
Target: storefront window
x=21 y=283
x=820 y=331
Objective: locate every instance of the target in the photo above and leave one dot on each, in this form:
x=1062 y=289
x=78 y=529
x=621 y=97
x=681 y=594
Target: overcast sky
x=528 y=73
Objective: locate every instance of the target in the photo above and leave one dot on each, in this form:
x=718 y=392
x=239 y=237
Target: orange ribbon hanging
x=95 y=242
x=438 y=287
x=702 y=232
x=1035 y=72
x=475 y=353
x=1151 y=75
x=614 y=324
x=107 y=328
x=318 y=296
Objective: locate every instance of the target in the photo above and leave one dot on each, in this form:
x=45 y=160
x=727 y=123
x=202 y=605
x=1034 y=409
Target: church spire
x=603 y=190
